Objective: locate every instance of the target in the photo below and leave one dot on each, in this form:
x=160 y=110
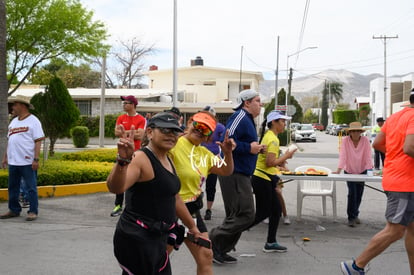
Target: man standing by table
x=25 y=135
x=396 y=140
x=236 y=189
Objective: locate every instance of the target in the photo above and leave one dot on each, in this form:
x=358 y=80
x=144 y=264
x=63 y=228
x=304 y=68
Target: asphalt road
x=73 y=235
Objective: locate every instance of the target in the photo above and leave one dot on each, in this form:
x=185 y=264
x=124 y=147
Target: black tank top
x=154 y=199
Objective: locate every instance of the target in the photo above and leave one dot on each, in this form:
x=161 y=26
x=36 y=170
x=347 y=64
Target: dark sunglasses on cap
x=167 y=131
x=202 y=128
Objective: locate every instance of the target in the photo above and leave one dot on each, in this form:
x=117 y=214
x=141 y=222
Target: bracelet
x=35 y=159
x=122 y=161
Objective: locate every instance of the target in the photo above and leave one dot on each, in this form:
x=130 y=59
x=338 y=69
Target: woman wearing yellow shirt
x=193 y=164
x=265 y=179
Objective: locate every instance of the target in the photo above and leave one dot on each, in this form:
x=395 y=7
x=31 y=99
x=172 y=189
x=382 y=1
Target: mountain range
x=353 y=85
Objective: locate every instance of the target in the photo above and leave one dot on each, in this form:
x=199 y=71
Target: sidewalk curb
x=50 y=191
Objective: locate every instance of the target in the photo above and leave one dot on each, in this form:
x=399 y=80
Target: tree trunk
x=52 y=146
x=4 y=110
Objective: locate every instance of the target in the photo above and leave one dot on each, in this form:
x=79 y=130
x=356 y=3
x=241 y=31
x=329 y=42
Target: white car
x=304 y=132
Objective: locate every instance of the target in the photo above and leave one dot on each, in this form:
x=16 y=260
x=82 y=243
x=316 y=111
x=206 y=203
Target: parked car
x=304 y=132
x=340 y=129
x=328 y=129
x=293 y=125
x=318 y=126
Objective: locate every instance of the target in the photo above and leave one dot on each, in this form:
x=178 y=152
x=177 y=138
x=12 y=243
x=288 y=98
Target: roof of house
x=361 y=99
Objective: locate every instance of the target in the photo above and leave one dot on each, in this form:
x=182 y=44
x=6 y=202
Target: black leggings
x=211 y=186
x=267 y=205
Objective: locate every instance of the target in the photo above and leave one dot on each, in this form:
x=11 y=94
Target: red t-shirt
x=398 y=173
x=127 y=121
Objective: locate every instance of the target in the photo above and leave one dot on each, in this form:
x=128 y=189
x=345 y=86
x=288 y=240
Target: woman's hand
x=228 y=144
x=126 y=142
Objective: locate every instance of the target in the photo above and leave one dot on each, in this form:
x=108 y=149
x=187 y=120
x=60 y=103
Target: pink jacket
x=355 y=160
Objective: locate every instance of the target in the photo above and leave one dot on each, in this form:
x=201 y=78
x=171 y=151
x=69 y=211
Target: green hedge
x=55 y=172
x=92 y=123
x=78 y=167
x=102 y=155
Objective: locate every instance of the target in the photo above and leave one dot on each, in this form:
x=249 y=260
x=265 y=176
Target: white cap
x=243 y=96
x=273 y=115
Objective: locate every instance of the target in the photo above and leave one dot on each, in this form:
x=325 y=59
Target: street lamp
x=289 y=73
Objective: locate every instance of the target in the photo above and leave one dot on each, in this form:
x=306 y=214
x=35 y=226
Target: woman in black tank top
x=152 y=202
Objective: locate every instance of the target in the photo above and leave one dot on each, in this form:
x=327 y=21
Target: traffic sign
x=281 y=108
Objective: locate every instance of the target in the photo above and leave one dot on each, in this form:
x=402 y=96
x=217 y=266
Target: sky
x=243 y=34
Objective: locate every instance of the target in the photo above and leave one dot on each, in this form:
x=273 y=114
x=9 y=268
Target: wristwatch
x=35 y=159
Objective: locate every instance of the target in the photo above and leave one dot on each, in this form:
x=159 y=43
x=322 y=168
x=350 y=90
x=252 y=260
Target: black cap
x=175 y=111
x=164 y=120
x=380 y=119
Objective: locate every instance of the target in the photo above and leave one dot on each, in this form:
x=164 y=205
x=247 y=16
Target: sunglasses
x=202 y=128
x=167 y=131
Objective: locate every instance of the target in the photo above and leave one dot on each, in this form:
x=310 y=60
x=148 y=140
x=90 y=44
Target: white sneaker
x=266 y=221
x=286 y=220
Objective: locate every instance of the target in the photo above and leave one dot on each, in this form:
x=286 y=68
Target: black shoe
x=222 y=258
x=228 y=259
x=207 y=216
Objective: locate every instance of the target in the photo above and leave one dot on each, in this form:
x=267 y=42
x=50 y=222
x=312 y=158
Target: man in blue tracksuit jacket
x=236 y=189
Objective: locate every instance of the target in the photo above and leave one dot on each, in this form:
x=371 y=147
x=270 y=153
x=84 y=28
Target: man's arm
x=38 y=144
x=408 y=147
x=4 y=161
x=379 y=142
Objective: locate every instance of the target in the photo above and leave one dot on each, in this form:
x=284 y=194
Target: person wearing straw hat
x=355 y=157
x=25 y=135
x=396 y=140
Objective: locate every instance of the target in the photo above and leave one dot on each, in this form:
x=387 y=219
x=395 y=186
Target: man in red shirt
x=396 y=140
x=131 y=117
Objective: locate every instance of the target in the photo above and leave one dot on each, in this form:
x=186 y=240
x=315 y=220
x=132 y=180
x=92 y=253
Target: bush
x=56 y=172
x=100 y=155
x=80 y=136
x=92 y=123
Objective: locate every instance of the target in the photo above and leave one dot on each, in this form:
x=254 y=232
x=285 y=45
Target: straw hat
x=355 y=126
x=21 y=99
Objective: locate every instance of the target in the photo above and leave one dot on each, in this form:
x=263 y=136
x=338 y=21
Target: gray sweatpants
x=237 y=193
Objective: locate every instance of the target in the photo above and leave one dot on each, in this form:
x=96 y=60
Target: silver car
x=304 y=132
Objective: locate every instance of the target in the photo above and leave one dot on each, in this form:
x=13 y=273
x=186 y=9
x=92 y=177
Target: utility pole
x=289 y=87
x=277 y=71
x=384 y=40
x=241 y=69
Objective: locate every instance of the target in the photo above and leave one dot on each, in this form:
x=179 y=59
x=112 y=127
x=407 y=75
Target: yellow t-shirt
x=192 y=164
x=272 y=143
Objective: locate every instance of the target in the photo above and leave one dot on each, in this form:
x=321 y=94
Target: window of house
x=84 y=107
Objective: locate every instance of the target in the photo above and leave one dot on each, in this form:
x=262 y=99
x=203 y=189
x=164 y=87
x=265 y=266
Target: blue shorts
x=400 y=207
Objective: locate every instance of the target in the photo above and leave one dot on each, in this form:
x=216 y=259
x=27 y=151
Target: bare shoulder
x=141 y=162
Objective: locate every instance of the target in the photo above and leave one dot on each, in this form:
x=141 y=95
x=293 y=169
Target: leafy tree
x=363 y=112
x=335 y=90
x=325 y=107
x=56 y=110
x=73 y=76
x=3 y=79
x=39 y=30
x=281 y=98
x=310 y=117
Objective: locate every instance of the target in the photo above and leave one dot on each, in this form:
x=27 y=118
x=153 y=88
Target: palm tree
x=4 y=118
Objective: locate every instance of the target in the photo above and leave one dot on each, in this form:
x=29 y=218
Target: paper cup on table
x=370 y=173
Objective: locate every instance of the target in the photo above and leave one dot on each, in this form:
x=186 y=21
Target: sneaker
x=286 y=220
x=228 y=259
x=274 y=247
x=266 y=221
x=116 y=211
x=222 y=258
x=207 y=216
x=9 y=215
x=25 y=204
x=347 y=268
x=357 y=221
x=351 y=223
x=31 y=216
